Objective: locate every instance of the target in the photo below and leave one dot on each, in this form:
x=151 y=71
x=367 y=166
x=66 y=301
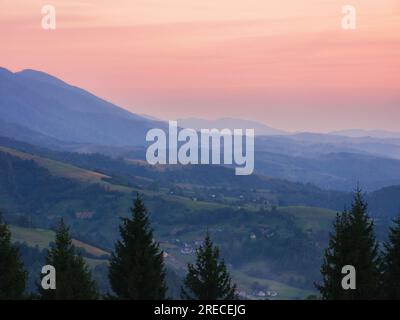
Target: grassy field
x=310 y=218
x=42 y=238
x=284 y=292
x=64 y=170
x=33 y=237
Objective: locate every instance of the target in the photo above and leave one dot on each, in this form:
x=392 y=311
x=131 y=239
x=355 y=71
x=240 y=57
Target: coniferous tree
x=73 y=277
x=334 y=259
x=391 y=264
x=12 y=273
x=137 y=270
x=208 y=278
x=352 y=243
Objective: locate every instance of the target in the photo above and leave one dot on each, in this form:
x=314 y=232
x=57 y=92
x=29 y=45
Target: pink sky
x=288 y=64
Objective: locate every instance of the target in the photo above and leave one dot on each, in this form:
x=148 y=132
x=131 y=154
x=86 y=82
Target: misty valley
x=86 y=163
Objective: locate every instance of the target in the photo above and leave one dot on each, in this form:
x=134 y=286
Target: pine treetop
x=352 y=243
x=208 y=278
x=73 y=277
x=137 y=268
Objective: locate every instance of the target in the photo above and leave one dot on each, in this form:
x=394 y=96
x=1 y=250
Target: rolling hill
x=42 y=238
x=270 y=231
x=38 y=191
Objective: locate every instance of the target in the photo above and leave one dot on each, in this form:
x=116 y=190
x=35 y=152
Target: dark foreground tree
x=208 y=278
x=73 y=277
x=137 y=270
x=12 y=274
x=391 y=264
x=352 y=243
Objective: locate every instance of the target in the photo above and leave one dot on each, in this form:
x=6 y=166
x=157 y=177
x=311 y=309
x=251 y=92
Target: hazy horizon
x=210 y=118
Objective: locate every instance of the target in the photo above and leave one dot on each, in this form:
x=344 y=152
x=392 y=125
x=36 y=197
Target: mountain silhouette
x=50 y=107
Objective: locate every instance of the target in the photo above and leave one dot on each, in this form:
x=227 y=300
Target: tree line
x=136 y=267
x=353 y=243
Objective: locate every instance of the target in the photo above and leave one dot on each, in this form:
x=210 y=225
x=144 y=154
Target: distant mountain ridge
x=229 y=123
x=50 y=107
x=361 y=133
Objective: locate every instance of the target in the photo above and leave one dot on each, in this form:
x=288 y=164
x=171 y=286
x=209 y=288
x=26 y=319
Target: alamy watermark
x=49 y=277
x=187 y=146
x=349 y=20
x=349 y=280
x=49 y=21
